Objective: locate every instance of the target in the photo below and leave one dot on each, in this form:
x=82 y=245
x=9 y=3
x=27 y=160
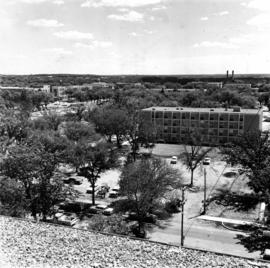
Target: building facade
x=216 y=126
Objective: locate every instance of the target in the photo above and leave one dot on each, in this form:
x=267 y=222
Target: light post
x=182 y=216
x=204 y=196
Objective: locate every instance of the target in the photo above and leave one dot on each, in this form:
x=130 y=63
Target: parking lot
x=215 y=179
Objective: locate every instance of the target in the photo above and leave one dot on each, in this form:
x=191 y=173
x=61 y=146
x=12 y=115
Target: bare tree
x=194 y=152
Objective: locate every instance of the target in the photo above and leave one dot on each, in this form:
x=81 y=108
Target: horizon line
x=191 y=74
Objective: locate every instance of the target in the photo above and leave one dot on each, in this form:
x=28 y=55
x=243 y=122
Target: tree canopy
x=145 y=183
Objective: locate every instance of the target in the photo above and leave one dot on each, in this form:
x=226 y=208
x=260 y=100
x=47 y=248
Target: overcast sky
x=134 y=36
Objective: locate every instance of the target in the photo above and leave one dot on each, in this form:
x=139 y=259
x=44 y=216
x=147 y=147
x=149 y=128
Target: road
x=201 y=235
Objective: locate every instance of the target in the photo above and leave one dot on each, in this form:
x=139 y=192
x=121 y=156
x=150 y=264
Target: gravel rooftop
x=28 y=244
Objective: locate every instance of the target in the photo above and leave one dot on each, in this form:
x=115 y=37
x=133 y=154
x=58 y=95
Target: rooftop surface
x=28 y=244
x=205 y=110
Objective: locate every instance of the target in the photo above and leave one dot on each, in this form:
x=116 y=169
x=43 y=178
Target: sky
x=134 y=36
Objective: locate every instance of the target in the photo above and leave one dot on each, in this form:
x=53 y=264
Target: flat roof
x=206 y=110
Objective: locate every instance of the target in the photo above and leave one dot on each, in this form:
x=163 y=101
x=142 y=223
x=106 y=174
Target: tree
x=76 y=131
x=139 y=132
x=264 y=99
x=93 y=161
x=39 y=98
x=13 y=129
x=50 y=121
x=194 y=153
x=251 y=152
x=113 y=224
x=110 y=121
x=12 y=198
x=34 y=168
x=145 y=182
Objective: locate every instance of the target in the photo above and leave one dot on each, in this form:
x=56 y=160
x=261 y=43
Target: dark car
x=132 y=216
x=71 y=207
x=71 y=180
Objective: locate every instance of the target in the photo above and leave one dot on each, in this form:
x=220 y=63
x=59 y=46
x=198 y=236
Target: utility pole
x=182 y=216
x=204 y=197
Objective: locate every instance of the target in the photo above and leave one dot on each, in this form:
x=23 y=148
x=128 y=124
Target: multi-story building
x=216 y=126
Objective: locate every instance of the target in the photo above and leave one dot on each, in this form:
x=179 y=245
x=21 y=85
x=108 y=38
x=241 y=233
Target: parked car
x=71 y=207
x=69 y=219
x=92 y=210
x=100 y=208
x=113 y=194
x=174 y=160
x=89 y=191
x=108 y=211
x=206 y=161
x=74 y=180
x=132 y=216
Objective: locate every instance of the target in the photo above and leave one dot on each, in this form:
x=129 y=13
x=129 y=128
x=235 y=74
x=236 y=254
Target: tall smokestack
x=232 y=74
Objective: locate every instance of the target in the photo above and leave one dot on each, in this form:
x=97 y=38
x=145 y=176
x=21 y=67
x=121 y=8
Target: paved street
x=201 y=235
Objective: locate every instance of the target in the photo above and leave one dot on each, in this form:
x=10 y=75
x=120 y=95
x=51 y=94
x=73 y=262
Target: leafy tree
x=76 y=131
x=193 y=153
x=40 y=99
x=145 y=182
x=190 y=98
x=264 y=99
x=93 y=161
x=51 y=141
x=13 y=128
x=111 y=121
x=50 y=121
x=252 y=153
x=33 y=167
x=12 y=198
x=113 y=224
x=74 y=154
x=139 y=132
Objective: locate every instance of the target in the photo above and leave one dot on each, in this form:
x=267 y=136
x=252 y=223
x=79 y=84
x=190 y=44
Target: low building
x=237 y=85
x=59 y=91
x=199 y=84
x=216 y=126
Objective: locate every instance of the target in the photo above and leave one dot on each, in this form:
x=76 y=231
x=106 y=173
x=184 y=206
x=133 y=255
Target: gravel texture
x=28 y=244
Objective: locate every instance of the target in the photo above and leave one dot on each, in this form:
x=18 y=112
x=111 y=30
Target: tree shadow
x=255 y=241
x=239 y=201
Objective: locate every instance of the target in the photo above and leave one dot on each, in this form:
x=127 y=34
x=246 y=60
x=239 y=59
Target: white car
x=100 y=208
x=67 y=218
x=206 y=161
x=108 y=211
x=174 y=160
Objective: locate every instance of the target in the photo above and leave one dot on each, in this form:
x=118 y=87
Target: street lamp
x=204 y=194
x=182 y=203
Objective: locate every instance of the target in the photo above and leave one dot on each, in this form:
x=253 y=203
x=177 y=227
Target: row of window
x=205 y=132
x=199 y=116
x=197 y=124
x=201 y=119
x=205 y=139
